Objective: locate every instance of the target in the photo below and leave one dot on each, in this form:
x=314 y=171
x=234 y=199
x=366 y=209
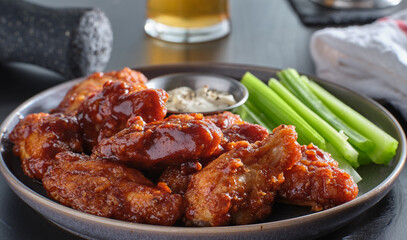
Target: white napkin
x=371 y=59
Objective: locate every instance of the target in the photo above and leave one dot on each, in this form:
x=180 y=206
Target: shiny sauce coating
x=93 y=84
x=176 y=139
x=40 y=136
x=317 y=181
x=107 y=112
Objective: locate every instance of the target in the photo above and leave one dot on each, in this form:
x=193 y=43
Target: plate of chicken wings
x=101 y=158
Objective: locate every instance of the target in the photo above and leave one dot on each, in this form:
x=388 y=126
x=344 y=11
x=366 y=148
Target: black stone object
x=71 y=41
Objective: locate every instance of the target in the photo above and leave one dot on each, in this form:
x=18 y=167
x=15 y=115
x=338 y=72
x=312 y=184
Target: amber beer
x=187 y=13
x=187 y=17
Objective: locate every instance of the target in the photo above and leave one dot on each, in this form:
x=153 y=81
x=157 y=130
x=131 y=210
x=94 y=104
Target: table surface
x=264 y=33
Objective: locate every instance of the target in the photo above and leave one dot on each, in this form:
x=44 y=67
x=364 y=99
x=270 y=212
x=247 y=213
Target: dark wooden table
x=264 y=33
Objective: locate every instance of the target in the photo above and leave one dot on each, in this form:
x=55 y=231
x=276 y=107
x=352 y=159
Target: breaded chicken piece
x=93 y=85
x=235 y=129
x=39 y=136
x=316 y=181
x=106 y=113
x=177 y=177
x=239 y=187
x=176 y=139
x=109 y=189
x=225 y=120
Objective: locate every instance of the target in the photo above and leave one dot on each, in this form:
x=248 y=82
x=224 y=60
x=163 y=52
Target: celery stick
x=272 y=123
x=385 y=145
x=275 y=108
x=364 y=159
x=342 y=163
x=250 y=114
x=290 y=77
x=338 y=140
x=268 y=123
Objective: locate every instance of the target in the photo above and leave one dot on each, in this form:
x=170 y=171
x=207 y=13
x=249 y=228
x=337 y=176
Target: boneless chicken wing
x=176 y=139
x=225 y=120
x=235 y=129
x=93 y=85
x=177 y=177
x=106 y=113
x=39 y=136
x=240 y=186
x=110 y=189
x=317 y=181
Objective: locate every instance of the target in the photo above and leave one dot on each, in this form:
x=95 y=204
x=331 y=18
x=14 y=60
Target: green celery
x=250 y=113
x=292 y=80
x=275 y=108
x=385 y=145
x=363 y=158
x=338 y=140
x=269 y=123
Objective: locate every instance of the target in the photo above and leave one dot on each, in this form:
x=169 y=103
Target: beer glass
x=187 y=21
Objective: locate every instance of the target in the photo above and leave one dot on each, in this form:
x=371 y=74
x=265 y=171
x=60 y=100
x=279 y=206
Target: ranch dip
x=185 y=99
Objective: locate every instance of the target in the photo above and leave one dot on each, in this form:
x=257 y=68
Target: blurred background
x=266 y=31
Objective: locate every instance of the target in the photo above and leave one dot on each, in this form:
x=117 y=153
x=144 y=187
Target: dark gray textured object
x=71 y=41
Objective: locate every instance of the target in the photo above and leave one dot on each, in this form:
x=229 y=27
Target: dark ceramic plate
x=291 y=222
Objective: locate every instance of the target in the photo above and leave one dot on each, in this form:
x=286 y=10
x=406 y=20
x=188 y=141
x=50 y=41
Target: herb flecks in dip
x=185 y=99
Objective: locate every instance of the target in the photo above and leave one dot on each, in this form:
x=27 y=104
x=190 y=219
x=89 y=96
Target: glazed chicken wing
x=316 y=181
x=106 y=113
x=109 y=189
x=239 y=186
x=235 y=129
x=177 y=177
x=38 y=137
x=225 y=120
x=94 y=84
x=176 y=139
